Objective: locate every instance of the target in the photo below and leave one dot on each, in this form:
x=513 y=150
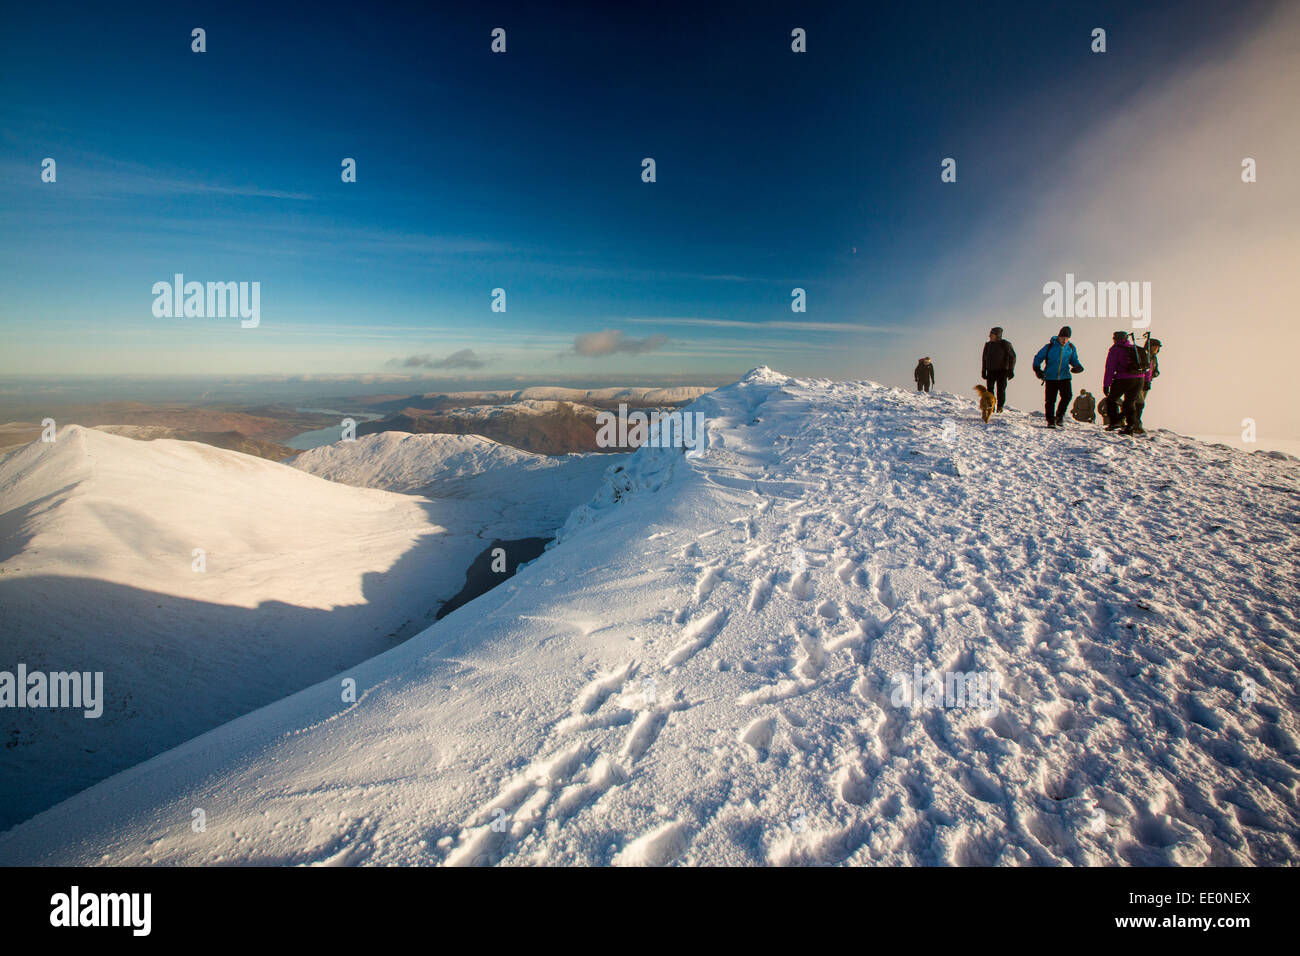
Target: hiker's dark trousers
x=997 y=383
x=1141 y=404
x=1059 y=391
x=1124 y=396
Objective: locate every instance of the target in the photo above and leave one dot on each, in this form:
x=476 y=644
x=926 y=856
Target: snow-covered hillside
x=299 y=577
x=400 y=461
x=536 y=492
x=701 y=670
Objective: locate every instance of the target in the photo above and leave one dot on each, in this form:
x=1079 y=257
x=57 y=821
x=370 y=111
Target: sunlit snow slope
x=699 y=671
x=533 y=492
x=297 y=578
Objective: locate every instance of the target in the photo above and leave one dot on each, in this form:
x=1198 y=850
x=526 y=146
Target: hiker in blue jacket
x=1053 y=365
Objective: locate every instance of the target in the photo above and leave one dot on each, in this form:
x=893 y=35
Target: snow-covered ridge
x=451 y=465
x=703 y=669
x=529 y=494
x=401 y=461
x=650 y=467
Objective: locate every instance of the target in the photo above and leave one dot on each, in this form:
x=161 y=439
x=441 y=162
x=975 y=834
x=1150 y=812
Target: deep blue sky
x=522 y=171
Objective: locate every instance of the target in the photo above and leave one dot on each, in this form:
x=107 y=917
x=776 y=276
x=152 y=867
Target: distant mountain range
x=632 y=396
x=545 y=421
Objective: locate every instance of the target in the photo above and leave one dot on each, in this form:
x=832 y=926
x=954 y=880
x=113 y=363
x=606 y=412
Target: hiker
x=1127 y=367
x=1085 y=407
x=1153 y=350
x=1053 y=365
x=998 y=365
x=924 y=374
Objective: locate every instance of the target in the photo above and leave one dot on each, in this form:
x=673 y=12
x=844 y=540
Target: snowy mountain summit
x=765 y=376
x=863 y=628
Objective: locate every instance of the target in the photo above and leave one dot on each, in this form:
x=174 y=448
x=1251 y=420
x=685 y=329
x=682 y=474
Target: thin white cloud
x=90 y=177
x=788 y=325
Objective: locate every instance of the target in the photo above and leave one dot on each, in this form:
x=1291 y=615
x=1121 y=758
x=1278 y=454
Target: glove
x=1106 y=390
x=1039 y=373
x=1010 y=376
x=984 y=374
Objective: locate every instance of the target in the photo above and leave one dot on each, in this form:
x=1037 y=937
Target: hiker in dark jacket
x=924 y=374
x=1122 y=382
x=1153 y=350
x=1085 y=407
x=998 y=365
x=1053 y=364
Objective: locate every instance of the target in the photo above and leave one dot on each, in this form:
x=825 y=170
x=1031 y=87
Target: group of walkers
x=1130 y=369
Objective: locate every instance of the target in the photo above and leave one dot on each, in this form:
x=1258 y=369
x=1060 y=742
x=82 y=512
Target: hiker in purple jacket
x=1122 y=383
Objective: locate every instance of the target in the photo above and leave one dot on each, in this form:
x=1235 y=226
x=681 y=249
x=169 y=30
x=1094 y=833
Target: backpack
x=1085 y=407
x=1137 y=357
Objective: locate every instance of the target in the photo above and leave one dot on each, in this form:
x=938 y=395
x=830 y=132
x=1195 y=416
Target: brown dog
x=988 y=402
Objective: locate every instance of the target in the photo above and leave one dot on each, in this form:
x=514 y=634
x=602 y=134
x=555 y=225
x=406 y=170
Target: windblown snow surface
x=700 y=669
